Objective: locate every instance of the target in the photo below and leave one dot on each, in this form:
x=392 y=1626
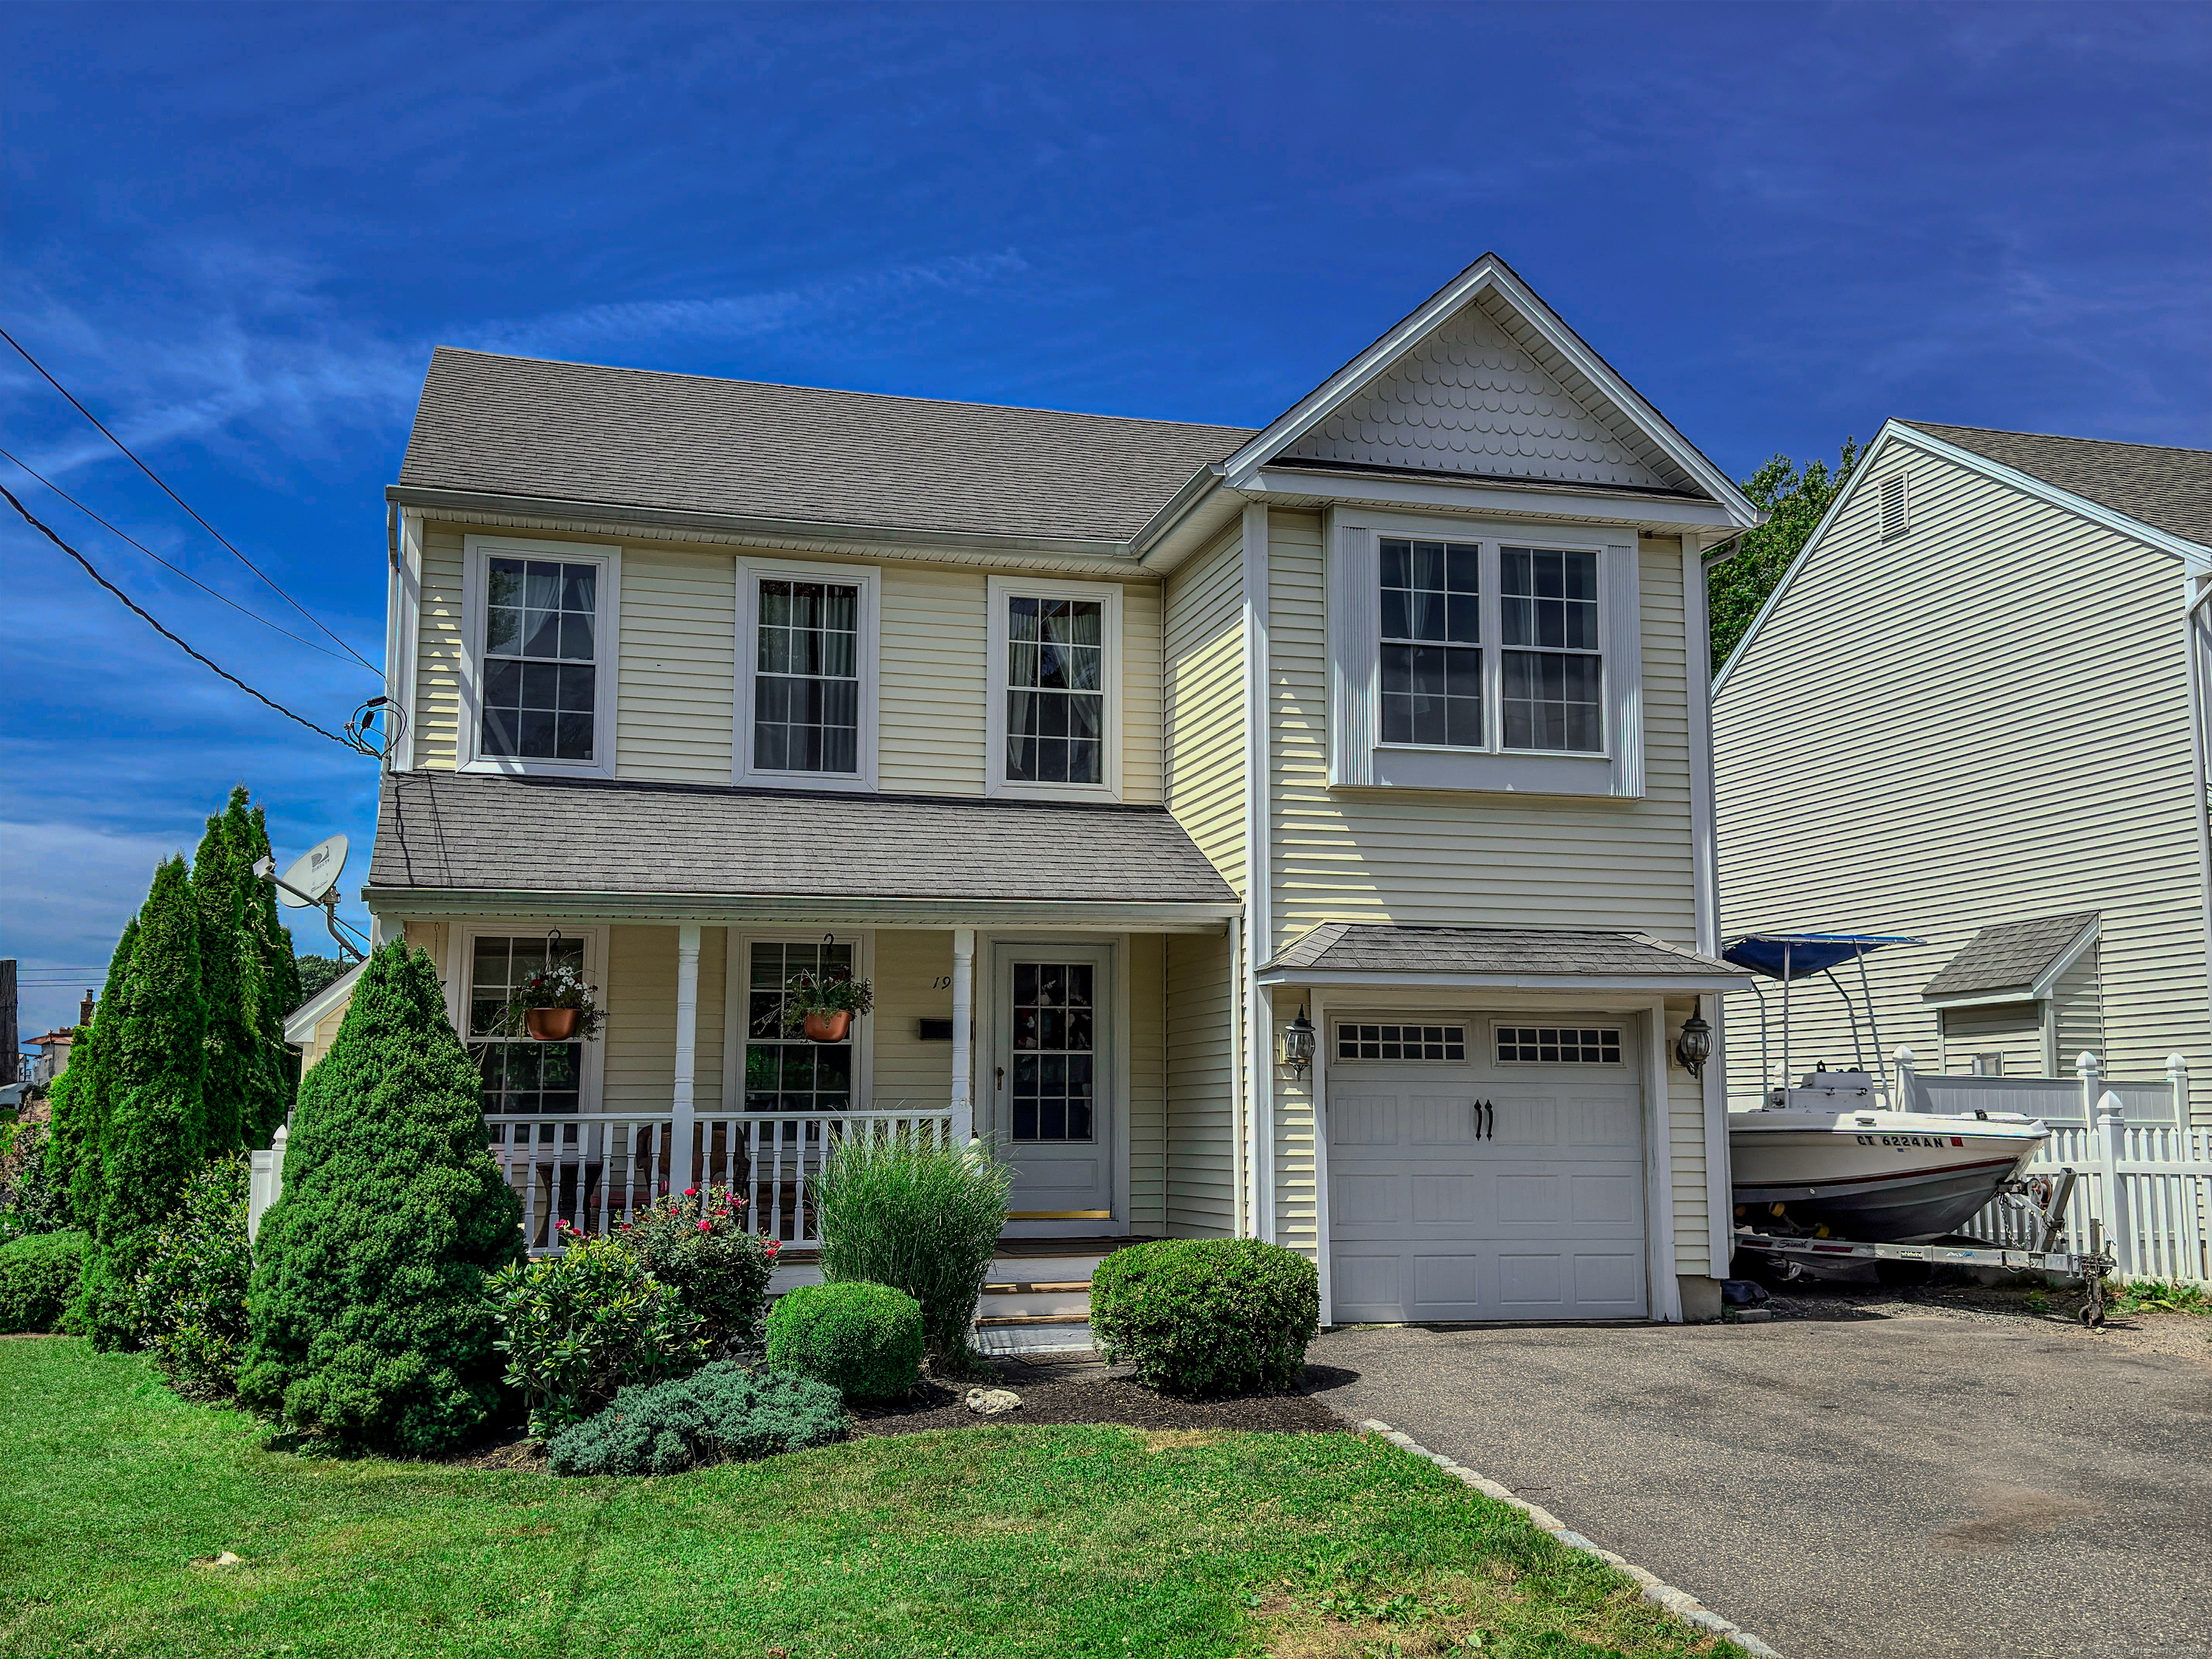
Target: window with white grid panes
x=1055 y=690
x=1383 y=1041
x=806 y=679
x=786 y=1071
x=540 y=660
x=1431 y=660
x=1558 y=1045
x=1055 y=1057
x=1551 y=666
x=521 y=1075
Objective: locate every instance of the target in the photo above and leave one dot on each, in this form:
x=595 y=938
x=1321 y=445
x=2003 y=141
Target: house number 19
x=942 y=982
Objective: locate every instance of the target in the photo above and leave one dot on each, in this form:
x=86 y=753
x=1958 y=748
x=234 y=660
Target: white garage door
x=1480 y=1168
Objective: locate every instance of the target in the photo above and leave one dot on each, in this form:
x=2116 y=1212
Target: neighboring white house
x=1121 y=755
x=1972 y=713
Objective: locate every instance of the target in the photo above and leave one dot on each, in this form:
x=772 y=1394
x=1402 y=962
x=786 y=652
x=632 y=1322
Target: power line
x=164 y=563
x=207 y=662
x=181 y=502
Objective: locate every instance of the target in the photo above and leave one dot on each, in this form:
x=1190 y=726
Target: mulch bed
x=1078 y=1392
x=1087 y=1393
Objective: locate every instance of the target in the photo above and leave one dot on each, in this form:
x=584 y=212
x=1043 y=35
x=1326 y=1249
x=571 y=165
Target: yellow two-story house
x=1302 y=833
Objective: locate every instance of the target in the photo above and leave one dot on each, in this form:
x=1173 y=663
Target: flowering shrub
x=577 y=1326
x=189 y=1306
x=696 y=1244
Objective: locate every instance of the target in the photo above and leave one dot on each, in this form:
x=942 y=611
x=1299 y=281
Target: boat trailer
x=2045 y=1197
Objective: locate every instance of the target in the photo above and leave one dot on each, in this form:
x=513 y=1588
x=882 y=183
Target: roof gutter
x=1413 y=978
x=1200 y=916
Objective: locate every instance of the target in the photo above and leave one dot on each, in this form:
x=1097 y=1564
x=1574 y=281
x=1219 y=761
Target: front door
x=1052 y=1091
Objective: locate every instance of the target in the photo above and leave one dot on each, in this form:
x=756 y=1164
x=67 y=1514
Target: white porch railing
x=593 y=1171
x=2055 y=1100
x=2147 y=1187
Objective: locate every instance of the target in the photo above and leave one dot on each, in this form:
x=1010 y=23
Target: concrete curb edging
x=1680 y=1603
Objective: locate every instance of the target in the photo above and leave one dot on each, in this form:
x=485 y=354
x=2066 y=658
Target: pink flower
x=773 y=1247
x=706 y=1226
x=690 y=1192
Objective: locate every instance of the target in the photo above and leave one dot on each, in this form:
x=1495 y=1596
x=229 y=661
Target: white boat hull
x=1884 y=1177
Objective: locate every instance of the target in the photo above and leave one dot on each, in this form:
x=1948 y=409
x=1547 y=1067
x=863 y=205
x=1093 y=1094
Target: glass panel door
x=1052 y=1094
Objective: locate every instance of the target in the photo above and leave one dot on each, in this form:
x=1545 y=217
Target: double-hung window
x=1053 y=726
x=806 y=655
x=521 y=1075
x=539 y=619
x=783 y=1070
x=1477 y=659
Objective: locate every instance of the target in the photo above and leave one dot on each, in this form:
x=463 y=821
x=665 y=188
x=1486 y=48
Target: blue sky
x=236 y=233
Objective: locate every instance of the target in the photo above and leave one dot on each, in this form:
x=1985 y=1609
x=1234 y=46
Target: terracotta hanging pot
x=552 y=1024
x=826 y=1025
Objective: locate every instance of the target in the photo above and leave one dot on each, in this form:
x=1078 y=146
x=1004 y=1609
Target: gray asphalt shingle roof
x=2169 y=489
x=2009 y=957
x=1374 y=947
x=478 y=831
x=688 y=443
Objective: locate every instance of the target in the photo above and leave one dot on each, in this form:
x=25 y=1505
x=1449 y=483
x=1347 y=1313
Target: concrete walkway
x=1916 y=1485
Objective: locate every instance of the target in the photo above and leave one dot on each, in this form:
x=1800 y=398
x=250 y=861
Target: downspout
x=2194 y=642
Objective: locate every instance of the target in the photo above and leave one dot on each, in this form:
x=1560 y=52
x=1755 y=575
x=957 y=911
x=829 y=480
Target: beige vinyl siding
x=1986 y=721
x=2077 y=1005
x=2010 y=1032
x=934 y=670
x=436 y=716
x=640 y=996
x=1200 y=1089
x=1685 y=1142
x=1146 y=1091
x=910 y=1072
x=1203 y=712
x=674 y=691
x=1409 y=856
x=1296 y=1212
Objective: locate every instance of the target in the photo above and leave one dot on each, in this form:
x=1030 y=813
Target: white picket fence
x=2147 y=1187
x=594 y=1170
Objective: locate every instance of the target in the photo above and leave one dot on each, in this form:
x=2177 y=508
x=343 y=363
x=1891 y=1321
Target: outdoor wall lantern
x=1297 y=1042
x=1694 y=1047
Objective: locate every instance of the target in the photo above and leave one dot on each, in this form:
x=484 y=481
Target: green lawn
x=988 y=1541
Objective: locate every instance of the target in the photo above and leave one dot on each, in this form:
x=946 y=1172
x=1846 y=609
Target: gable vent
x=1893 y=507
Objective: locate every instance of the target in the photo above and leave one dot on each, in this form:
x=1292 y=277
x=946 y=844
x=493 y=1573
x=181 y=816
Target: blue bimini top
x=1808 y=953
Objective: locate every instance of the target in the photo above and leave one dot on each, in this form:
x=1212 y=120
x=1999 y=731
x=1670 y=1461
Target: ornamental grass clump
x=696 y=1244
x=922 y=1219
x=189 y=1306
x=720 y=1414
x=37 y=1279
x=579 y=1326
x=369 y=1319
x=1207 y=1316
x=864 y=1340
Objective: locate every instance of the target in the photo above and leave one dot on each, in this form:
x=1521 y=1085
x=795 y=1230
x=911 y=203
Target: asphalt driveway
x=1914 y=1484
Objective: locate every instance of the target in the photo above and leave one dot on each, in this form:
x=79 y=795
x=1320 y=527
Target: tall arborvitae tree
x=368 y=1317
x=280 y=982
x=248 y=1083
x=154 y=1078
x=80 y=1122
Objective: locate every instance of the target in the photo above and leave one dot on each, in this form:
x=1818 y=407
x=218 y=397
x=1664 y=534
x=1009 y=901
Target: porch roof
x=1372 y=953
x=700 y=850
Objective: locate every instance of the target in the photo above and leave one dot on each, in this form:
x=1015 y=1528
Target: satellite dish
x=306 y=882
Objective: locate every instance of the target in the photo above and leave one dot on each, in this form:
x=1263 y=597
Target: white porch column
x=687 y=1053
x=963 y=1036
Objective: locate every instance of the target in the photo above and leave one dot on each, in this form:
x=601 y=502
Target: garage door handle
x=1486 y=1120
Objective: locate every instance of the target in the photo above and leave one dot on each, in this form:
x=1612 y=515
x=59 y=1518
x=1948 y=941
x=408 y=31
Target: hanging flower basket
x=554 y=1007
x=552 y=1024
x=821 y=1008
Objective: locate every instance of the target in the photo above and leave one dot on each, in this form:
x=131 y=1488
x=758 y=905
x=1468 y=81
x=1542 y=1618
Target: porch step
x=1008 y=1321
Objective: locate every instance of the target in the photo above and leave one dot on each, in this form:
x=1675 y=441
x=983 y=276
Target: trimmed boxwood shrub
x=1208 y=1316
x=864 y=1340
x=38 y=1278
x=719 y=1413
x=368 y=1318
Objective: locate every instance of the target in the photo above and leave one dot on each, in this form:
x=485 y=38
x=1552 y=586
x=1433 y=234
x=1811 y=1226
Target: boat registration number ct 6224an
x=1911 y=1140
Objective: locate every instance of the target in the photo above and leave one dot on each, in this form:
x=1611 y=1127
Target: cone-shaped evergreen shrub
x=280 y=980
x=79 y=1121
x=153 y=1080
x=249 y=1083
x=370 y=1318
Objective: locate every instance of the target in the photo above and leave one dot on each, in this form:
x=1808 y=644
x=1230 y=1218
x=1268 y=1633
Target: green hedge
x=719 y=1413
x=1208 y=1316
x=37 y=1277
x=864 y=1340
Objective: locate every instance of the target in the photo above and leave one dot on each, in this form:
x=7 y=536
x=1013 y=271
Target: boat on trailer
x=1833 y=1156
